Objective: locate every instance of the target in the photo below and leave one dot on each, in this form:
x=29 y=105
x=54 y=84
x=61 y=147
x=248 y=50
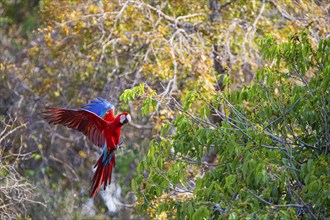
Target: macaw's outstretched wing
x=102 y=108
x=82 y=120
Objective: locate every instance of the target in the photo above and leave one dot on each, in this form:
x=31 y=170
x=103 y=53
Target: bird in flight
x=98 y=122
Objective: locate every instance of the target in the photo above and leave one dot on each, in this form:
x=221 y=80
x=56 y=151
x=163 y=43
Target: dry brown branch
x=16 y=193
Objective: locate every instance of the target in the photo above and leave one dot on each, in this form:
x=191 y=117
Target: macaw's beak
x=128 y=119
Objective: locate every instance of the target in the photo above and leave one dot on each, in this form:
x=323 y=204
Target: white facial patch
x=122 y=118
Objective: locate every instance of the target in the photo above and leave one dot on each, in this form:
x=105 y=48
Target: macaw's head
x=125 y=118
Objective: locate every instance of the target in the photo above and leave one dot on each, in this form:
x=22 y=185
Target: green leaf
x=233 y=216
x=201 y=213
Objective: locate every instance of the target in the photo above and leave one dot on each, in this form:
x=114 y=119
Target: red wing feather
x=82 y=120
x=109 y=115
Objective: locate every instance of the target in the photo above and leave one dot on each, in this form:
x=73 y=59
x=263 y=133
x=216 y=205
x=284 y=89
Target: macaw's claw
x=120 y=145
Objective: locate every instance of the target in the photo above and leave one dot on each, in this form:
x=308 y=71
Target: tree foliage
x=272 y=145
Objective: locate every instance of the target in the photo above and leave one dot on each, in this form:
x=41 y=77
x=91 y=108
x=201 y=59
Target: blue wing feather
x=99 y=106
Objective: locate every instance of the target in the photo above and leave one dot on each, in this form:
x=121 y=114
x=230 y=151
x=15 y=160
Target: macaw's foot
x=120 y=145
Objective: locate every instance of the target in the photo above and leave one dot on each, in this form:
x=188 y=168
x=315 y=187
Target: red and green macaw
x=98 y=122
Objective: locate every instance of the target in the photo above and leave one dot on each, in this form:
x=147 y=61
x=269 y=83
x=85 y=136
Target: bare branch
x=282 y=13
x=275 y=205
x=15 y=191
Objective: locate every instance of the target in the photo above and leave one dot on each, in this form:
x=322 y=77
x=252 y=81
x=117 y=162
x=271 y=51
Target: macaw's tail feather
x=103 y=172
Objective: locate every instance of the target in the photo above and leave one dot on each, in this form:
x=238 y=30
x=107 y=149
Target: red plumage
x=102 y=174
x=81 y=120
x=101 y=132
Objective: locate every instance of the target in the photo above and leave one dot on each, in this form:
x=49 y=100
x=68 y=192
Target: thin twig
x=275 y=205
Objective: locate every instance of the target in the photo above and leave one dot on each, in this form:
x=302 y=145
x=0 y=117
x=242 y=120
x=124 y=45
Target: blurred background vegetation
x=229 y=100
